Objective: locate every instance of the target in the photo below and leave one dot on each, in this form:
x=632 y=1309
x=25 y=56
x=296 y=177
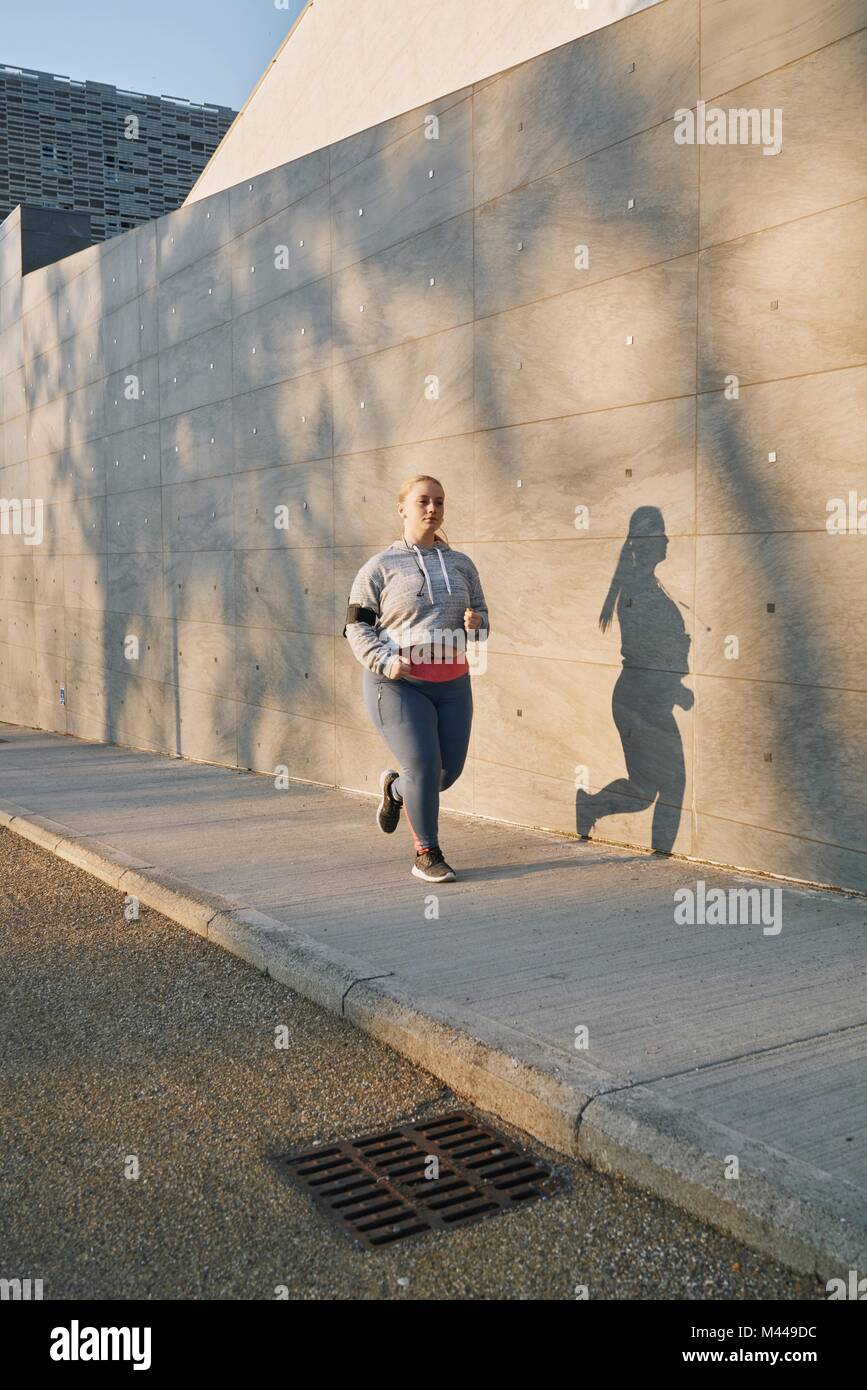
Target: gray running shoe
x=388 y=811
x=430 y=865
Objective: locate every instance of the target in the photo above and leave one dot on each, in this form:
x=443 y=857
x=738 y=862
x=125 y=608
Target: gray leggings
x=427 y=727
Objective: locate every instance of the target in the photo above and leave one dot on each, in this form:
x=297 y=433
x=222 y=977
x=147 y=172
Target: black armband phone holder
x=356 y=614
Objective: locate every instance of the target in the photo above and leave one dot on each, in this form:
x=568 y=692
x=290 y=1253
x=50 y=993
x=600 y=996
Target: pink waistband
x=438 y=670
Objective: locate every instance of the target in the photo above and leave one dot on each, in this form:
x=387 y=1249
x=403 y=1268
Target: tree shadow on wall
x=655 y=649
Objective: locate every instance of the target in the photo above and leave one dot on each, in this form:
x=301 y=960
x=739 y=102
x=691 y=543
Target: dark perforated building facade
x=124 y=157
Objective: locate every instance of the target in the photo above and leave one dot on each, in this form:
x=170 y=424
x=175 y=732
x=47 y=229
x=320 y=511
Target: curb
x=613 y=1125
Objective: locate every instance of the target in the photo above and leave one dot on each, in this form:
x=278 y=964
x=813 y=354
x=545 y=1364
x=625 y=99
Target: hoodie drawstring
x=427 y=576
x=443 y=568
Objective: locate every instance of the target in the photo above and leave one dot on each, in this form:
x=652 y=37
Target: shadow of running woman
x=654 y=645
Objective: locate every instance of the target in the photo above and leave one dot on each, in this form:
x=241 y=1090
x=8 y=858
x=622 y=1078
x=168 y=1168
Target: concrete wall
x=347 y=65
x=159 y=516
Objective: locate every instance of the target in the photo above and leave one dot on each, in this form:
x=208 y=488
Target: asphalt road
x=139 y=1041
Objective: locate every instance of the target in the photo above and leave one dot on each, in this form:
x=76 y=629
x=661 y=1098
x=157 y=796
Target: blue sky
x=203 y=50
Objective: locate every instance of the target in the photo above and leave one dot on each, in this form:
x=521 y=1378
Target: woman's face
x=424 y=506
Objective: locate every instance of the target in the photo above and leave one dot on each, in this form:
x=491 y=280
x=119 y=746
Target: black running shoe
x=430 y=865
x=388 y=811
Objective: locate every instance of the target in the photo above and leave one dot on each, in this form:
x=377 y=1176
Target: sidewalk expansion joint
x=735 y=1057
x=360 y=981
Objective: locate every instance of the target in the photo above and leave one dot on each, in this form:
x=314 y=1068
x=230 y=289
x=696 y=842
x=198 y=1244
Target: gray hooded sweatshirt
x=415 y=593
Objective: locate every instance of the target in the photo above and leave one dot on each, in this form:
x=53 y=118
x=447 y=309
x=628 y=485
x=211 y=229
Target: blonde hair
x=406 y=489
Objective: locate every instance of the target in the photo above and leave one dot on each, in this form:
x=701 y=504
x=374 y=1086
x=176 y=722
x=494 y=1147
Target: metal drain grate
x=376 y=1187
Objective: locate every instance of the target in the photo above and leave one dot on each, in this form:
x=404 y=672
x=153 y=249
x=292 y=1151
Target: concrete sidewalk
x=704 y=1042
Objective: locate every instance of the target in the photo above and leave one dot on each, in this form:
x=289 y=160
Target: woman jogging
x=410 y=608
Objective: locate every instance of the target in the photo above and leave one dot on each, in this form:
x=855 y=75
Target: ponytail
x=625 y=566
